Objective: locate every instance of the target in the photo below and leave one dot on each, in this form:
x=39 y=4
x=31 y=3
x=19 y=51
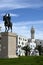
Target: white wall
x=21 y=43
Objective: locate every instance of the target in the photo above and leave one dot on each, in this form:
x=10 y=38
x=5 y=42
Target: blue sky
x=24 y=15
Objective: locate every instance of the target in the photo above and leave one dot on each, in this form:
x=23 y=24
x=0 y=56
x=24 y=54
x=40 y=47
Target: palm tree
x=27 y=49
x=39 y=48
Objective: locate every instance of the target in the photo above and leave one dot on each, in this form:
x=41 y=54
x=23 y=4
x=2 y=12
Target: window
x=19 y=42
x=19 y=38
x=31 y=45
x=25 y=40
x=40 y=42
x=22 y=43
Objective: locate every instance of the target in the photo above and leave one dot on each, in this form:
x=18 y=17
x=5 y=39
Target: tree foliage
x=27 y=49
x=39 y=48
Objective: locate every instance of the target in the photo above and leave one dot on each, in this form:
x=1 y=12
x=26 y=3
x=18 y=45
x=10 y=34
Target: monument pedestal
x=8 y=45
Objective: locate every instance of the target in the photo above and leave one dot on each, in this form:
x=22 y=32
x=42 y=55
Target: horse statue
x=7 y=22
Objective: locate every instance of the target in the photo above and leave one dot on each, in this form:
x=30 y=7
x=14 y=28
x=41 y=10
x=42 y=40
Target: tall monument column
x=32 y=33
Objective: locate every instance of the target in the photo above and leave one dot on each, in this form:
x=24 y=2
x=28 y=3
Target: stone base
x=8 y=45
x=13 y=56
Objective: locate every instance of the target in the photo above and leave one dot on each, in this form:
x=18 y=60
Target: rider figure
x=7 y=21
x=9 y=18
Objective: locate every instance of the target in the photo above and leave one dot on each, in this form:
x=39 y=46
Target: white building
x=32 y=44
x=21 y=41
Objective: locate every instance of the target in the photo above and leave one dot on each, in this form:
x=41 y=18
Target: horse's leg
x=8 y=28
x=11 y=27
x=5 y=28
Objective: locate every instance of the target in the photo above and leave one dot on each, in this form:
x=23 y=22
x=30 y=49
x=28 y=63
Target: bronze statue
x=7 y=22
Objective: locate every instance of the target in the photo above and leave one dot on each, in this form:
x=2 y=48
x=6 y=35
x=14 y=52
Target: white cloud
x=16 y=15
x=22 y=23
x=23 y=29
x=39 y=34
x=14 y=4
x=11 y=14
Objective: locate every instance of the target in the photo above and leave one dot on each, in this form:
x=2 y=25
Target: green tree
x=39 y=48
x=27 y=49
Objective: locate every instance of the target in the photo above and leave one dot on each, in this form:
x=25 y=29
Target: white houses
x=21 y=41
x=32 y=44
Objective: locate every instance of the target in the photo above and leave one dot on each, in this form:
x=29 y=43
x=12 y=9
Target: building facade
x=21 y=42
x=11 y=44
x=33 y=43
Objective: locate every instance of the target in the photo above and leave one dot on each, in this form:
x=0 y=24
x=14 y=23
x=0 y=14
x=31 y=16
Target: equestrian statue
x=7 y=22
